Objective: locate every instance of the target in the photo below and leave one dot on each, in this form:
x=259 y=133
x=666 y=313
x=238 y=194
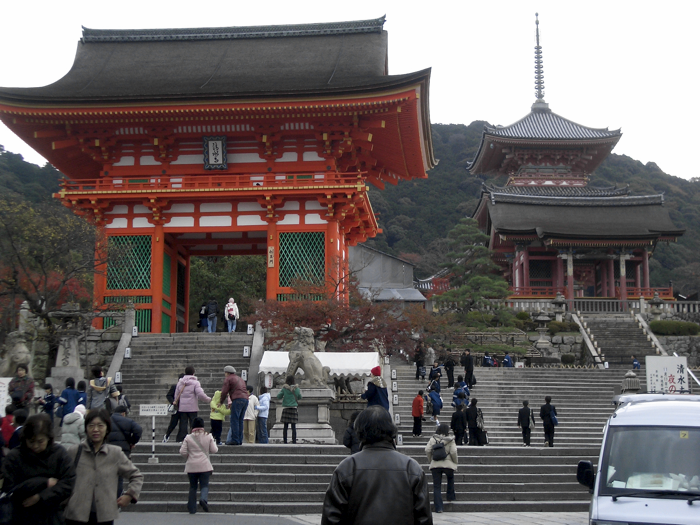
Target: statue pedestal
x=314 y=424
x=67 y=364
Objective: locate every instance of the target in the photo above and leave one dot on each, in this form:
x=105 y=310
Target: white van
x=649 y=465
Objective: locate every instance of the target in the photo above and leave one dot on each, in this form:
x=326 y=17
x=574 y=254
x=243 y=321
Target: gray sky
x=617 y=64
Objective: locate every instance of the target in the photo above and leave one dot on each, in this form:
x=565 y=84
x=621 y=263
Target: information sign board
x=153 y=410
x=667 y=374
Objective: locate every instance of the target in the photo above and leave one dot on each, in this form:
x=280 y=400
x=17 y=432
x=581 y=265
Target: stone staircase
x=158 y=359
x=292 y=479
x=619 y=337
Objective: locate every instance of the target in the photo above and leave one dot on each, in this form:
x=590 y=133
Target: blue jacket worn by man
x=376 y=393
x=508 y=361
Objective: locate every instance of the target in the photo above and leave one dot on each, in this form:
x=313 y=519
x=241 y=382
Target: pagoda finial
x=539 y=70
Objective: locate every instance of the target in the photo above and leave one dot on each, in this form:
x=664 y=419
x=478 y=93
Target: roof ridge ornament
x=540 y=104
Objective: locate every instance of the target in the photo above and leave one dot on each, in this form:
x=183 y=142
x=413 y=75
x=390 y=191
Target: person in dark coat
x=449 y=366
x=476 y=437
x=174 y=418
x=378 y=484
x=21 y=387
x=546 y=412
x=350 y=438
x=39 y=474
x=203 y=317
x=125 y=434
x=212 y=314
x=19 y=418
x=419 y=358
x=376 y=393
x=526 y=422
x=468 y=362
x=487 y=360
x=459 y=424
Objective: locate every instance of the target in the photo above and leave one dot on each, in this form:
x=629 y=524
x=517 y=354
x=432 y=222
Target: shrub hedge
x=563 y=326
x=568 y=359
x=674 y=328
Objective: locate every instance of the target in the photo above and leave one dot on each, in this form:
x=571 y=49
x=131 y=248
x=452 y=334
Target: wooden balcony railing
x=648 y=293
x=536 y=291
x=246 y=181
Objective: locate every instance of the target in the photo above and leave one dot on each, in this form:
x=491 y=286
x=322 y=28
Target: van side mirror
x=585 y=474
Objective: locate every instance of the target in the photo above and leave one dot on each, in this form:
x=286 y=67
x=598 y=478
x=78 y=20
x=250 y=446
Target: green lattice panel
x=302 y=257
x=120 y=299
x=143 y=320
x=165 y=324
x=166 y=274
x=108 y=322
x=285 y=297
x=129 y=266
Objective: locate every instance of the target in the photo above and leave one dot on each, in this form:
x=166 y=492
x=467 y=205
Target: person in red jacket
x=7 y=429
x=417 y=413
x=235 y=393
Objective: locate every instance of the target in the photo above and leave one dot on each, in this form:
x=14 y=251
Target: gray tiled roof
x=557 y=191
x=216 y=33
x=544 y=124
x=580 y=201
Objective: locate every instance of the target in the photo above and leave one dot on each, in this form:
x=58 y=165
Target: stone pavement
x=445 y=518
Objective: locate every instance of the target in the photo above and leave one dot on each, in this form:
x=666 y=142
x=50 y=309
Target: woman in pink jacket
x=187 y=392
x=196 y=449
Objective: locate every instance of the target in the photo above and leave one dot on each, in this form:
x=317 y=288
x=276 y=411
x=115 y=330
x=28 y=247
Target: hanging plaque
x=215 y=153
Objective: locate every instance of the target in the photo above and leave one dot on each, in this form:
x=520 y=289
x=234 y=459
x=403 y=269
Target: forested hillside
x=417 y=215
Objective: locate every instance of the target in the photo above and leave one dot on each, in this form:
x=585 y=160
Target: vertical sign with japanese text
x=667 y=375
x=270 y=256
x=215 y=153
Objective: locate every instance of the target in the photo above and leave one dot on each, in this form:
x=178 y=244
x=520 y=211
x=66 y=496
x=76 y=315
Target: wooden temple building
x=552 y=232
x=226 y=141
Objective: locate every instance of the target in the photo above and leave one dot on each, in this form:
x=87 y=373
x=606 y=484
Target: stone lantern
x=542 y=344
x=656 y=306
x=559 y=307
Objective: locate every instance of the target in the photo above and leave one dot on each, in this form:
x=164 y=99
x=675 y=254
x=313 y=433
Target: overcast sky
x=616 y=64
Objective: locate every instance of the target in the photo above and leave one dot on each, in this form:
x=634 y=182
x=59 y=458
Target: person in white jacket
x=250 y=416
x=73 y=429
x=263 y=409
x=231 y=314
x=447 y=464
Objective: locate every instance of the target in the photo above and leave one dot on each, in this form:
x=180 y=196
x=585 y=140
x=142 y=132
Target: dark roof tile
x=544 y=124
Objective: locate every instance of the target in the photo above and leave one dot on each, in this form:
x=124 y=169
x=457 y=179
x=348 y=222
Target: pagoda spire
x=540 y=104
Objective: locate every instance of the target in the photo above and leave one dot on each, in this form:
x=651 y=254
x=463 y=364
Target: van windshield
x=656 y=459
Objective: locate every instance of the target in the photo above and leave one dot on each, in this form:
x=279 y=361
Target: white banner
x=153 y=410
x=667 y=375
x=4 y=397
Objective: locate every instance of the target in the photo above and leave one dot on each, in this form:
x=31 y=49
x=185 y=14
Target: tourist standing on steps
x=250 y=417
x=290 y=396
x=212 y=314
x=68 y=399
x=436 y=402
x=21 y=387
x=417 y=410
x=449 y=367
x=458 y=424
x=219 y=411
x=196 y=449
x=446 y=465
x=204 y=317
x=435 y=375
x=419 y=358
x=376 y=393
x=378 y=485
x=469 y=368
x=635 y=364
x=235 y=394
x=476 y=435
x=263 y=409
x=526 y=421
x=175 y=417
x=188 y=393
x=231 y=314
x=508 y=361
x=546 y=412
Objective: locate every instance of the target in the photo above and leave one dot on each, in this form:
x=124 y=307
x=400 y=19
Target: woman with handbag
x=196 y=449
x=39 y=475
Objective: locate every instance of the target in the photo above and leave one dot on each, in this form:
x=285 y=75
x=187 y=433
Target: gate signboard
x=667 y=375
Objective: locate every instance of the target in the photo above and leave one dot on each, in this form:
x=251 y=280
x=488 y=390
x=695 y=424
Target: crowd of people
x=210 y=311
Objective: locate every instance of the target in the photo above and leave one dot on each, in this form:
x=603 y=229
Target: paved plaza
x=446 y=518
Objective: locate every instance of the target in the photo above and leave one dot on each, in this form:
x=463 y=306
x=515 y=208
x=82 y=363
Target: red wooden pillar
x=157 y=250
x=645 y=267
x=173 y=291
x=611 y=278
x=187 y=292
x=273 y=271
x=638 y=275
x=526 y=269
x=333 y=258
x=100 y=280
x=560 y=272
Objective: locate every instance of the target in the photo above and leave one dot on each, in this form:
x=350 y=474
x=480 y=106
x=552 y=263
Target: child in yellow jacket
x=218 y=413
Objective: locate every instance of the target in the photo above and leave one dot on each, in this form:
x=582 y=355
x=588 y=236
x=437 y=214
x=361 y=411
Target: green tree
x=476 y=281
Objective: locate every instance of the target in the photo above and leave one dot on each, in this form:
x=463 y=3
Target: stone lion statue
x=16 y=352
x=301 y=355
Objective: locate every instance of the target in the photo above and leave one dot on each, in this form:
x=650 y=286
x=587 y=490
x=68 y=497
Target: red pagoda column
x=157 y=250
x=333 y=257
x=645 y=267
x=273 y=271
x=187 y=293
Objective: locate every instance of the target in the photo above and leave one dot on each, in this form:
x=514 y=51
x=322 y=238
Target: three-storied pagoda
x=226 y=141
x=547 y=214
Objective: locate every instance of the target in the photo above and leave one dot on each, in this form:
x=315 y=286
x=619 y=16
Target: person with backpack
x=442 y=454
x=125 y=433
x=122 y=400
x=231 y=314
x=212 y=314
x=526 y=421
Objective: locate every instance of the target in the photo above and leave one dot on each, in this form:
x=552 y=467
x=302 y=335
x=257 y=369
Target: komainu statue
x=301 y=355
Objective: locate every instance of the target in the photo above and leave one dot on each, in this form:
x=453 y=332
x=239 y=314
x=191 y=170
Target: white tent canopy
x=342 y=364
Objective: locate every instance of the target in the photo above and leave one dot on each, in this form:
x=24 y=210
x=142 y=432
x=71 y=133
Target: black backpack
x=439 y=451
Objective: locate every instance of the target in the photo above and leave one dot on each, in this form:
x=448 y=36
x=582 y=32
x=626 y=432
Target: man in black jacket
x=525 y=422
x=467 y=361
x=378 y=484
x=174 y=418
x=450 y=369
x=125 y=434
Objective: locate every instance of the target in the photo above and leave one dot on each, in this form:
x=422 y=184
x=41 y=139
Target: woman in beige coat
x=196 y=449
x=99 y=467
x=446 y=466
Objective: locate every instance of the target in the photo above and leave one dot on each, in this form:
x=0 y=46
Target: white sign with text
x=667 y=374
